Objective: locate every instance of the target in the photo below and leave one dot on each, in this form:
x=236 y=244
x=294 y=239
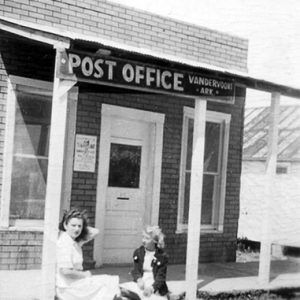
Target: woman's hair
x=156 y=234
x=75 y=213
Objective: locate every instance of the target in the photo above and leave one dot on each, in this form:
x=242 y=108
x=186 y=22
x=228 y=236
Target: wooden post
x=54 y=189
x=266 y=242
x=193 y=241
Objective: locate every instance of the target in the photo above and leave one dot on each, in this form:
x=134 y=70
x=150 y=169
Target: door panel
x=126 y=189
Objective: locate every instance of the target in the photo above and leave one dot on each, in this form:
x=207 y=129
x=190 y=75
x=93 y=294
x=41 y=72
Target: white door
x=128 y=186
x=126 y=189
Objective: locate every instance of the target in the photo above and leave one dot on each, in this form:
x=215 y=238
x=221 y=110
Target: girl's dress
x=147 y=277
x=97 y=287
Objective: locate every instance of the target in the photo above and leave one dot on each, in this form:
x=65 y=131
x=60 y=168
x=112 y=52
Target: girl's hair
x=156 y=234
x=75 y=213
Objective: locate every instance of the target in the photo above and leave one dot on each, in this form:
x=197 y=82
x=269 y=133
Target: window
x=124 y=166
x=214 y=174
x=26 y=152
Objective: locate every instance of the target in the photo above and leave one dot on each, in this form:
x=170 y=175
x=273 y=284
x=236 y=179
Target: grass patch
x=283 y=293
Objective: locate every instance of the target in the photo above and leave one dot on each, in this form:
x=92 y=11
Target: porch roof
x=61 y=38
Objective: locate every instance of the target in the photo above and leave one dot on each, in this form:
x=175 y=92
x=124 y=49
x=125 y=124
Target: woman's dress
x=96 y=287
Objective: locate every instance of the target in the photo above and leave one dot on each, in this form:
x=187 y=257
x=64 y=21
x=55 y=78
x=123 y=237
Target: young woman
x=72 y=282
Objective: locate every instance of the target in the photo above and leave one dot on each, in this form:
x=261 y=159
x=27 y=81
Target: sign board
x=85 y=153
x=125 y=73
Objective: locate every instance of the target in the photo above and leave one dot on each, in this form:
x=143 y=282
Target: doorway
x=128 y=180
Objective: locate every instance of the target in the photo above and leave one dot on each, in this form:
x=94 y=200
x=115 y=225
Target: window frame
x=26 y=85
x=219 y=196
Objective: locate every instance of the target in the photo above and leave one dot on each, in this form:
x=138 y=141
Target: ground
x=248 y=255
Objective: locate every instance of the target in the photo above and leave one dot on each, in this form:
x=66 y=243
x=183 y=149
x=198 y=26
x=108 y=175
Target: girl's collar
x=151 y=251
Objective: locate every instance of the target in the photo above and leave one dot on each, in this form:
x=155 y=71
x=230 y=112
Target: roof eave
x=62 y=39
x=57 y=41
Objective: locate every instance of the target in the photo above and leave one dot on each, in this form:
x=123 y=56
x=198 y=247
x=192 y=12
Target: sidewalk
x=213 y=278
x=225 y=277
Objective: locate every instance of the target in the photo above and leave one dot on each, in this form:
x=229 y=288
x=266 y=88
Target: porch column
x=54 y=189
x=193 y=238
x=270 y=171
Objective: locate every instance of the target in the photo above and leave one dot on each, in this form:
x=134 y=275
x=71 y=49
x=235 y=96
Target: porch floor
x=213 y=278
x=225 y=277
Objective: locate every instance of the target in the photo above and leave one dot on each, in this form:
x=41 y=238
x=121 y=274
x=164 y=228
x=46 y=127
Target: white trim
x=7 y=155
x=132 y=114
x=194 y=222
x=15 y=83
x=224 y=159
x=101 y=190
x=188 y=112
x=123 y=141
x=25 y=224
x=266 y=242
x=30 y=156
x=157 y=121
x=211 y=116
x=158 y=148
x=24 y=229
x=69 y=149
x=39 y=86
x=55 y=178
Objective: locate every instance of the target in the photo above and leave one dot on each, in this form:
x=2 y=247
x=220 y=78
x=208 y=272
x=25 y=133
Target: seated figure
x=72 y=282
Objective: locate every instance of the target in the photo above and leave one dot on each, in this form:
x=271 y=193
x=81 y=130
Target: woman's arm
x=74 y=274
x=92 y=232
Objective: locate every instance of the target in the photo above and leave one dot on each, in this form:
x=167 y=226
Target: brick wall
x=133 y=27
x=20 y=250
